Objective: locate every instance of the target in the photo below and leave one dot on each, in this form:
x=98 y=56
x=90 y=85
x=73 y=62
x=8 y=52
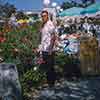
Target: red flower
x=1 y=33
x=40 y=61
x=2 y=39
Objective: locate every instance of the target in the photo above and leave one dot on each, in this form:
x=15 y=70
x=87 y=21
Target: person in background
x=46 y=48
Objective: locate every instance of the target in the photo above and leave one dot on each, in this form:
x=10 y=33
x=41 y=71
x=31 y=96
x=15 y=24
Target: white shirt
x=47 y=32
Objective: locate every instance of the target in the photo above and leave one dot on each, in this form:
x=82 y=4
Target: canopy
x=91 y=9
x=71 y=11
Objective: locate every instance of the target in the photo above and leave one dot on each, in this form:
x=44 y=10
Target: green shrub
x=31 y=79
x=18 y=49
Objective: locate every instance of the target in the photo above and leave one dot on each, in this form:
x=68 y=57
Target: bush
x=31 y=79
x=18 y=49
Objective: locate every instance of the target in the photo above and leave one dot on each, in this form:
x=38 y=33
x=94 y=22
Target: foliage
x=21 y=15
x=6 y=10
x=61 y=60
x=73 y=3
x=18 y=43
x=32 y=78
x=16 y=46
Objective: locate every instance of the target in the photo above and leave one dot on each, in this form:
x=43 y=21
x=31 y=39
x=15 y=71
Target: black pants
x=48 y=67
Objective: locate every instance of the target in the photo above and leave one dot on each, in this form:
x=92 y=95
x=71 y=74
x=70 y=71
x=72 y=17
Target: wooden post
x=89 y=56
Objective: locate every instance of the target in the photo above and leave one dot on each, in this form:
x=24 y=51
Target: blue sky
x=33 y=4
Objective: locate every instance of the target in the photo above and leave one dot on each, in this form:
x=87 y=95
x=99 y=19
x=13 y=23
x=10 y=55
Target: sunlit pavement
x=83 y=89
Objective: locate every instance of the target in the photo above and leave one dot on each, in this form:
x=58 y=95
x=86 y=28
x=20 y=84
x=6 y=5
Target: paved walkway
x=84 y=89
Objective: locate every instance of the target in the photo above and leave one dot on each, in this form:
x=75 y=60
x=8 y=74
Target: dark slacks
x=48 y=67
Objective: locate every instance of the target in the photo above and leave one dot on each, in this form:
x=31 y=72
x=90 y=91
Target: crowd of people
x=80 y=26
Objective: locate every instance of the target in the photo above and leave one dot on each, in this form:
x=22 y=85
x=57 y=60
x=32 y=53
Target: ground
x=83 y=89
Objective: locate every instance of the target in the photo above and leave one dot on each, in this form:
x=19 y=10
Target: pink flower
x=40 y=61
x=2 y=39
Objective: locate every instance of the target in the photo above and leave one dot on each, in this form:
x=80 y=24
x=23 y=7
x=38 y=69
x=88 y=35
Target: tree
x=86 y=3
x=91 y=1
x=70 y=4
x=73 y=3
x=21 y=15
x=6 y=9
x=66 y=5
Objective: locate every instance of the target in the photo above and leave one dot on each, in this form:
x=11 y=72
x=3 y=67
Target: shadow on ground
x=83 y=89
